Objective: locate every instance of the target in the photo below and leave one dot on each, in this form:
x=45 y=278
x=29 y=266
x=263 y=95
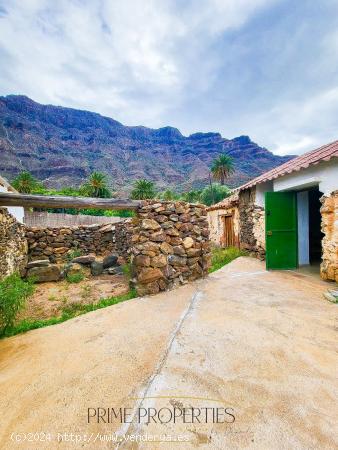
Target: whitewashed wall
x=16 y=211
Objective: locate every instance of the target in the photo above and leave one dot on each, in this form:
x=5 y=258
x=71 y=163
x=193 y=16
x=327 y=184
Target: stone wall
x=13 y=245
x=329 y=211
x=252 y=223
x=170 y=245
x=55 y=243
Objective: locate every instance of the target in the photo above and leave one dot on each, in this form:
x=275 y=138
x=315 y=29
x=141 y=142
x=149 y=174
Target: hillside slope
x=61 y=146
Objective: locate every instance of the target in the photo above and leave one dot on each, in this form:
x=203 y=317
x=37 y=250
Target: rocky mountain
x=62 y=146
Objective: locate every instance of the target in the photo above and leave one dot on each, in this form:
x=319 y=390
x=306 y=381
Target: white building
x=16 y=211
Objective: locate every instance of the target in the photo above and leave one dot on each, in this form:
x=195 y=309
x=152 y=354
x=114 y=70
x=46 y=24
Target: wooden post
x=55 y=201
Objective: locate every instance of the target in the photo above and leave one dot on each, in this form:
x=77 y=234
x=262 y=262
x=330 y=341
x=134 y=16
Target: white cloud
x=194 y=64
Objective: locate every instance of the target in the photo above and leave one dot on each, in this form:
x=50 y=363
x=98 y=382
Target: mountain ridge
x=62 y=146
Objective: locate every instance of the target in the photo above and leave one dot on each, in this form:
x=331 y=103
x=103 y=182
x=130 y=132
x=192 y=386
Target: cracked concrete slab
x=261 y=343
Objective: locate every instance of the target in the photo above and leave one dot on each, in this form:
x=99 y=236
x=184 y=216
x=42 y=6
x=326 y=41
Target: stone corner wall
x=329 y=212
x=169 y=245
x=252 y=224
x=54 y=243
x=13 y=245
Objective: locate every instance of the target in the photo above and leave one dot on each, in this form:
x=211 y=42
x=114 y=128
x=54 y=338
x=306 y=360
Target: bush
x=75 y=277
x=13 y=293
x=222 y=256
x=73 y=254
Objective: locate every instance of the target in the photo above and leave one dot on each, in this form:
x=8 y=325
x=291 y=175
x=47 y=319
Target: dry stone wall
x=170 y=245
x=329 y=211
x=55 y=243
x=252 y=224
x=13 y=245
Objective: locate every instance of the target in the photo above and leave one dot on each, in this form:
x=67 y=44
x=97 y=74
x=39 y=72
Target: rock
x=158 y=237
x=114 y=271
x=150 y=224
x=176 y=260
x=178 y=250
x=148 y=289
x=166 y=248
x=86 y=259
x=159 y=261
x=191 y=252
x=45 y=273
x=149 y=274
x=74 y=268
x=109 y=261
x=142 y=260
x=38 y=263
x=96 y=268
x=188 y=242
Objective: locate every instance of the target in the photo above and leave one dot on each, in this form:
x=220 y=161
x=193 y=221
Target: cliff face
x=62 y=146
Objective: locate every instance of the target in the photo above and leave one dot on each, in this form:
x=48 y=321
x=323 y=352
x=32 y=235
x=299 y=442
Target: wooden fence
x=56 y=220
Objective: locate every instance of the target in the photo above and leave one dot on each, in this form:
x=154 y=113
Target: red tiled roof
x=228 y=202
x=324 y=153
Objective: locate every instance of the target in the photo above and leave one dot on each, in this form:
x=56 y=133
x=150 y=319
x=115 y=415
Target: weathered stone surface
x=45 y=273
x=86 y=259
x=178 y=250
x=166 y=248
x=176 y=260
x=193 y=252
x=110 y=261
x=329 y=212
x=188 y=242
x=96 y=268
x=150 y=274
x=142 y=260
x=159 y=261
x=150 y=224
x=38 y=263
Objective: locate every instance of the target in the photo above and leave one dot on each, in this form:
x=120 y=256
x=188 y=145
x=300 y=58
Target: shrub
x=13 y=293
x=75 y=277
x=73 y=254
x=222 y=256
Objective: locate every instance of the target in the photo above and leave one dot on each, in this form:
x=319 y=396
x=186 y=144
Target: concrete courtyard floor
x=261 y=343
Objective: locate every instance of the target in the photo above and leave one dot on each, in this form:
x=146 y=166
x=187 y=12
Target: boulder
x=176 y=260
x=96 y=268
x=188 y=242
x=45 y=273
x=150 y=224
x=159 y=261
x=110 y=261
x=142 y=260
x=149 y=274
x=192 y=252
x=166 y=248
x=86 y=259
x=38 y=263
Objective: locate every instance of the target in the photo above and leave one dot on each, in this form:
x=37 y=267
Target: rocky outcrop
x=63 y=146
x=329 y=212
x=56 y=243
x=13 y=245
x=169 y=245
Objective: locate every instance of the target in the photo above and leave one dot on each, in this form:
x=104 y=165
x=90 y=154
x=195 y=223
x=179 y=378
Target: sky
x=263 y=68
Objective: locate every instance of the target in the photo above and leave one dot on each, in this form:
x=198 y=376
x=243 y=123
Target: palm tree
x=168 y=195
x=96 y=186
x=143 y=189
x=26 y=183
x=222 y=167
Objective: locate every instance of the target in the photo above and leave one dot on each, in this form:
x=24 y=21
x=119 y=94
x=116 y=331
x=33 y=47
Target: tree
x=214 y=194
x=143 y=189
x=168 y=195
x=26 y=183
x=222 y=167
x=96 y=186
x=192 y=196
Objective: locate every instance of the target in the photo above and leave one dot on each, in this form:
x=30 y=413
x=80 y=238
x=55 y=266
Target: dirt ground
x=49 y=299
x=261 y=343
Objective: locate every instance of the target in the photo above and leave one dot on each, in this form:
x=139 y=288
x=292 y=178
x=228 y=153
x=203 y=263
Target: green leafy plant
x=26 y=183
x=73 y=254
x=13 y=293
x=96 y=186
x=222 y=167
x=143 y=189
x=214 y=194
x=75 y=277
x=222 y=256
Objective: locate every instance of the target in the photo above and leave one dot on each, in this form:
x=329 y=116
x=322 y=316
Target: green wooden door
x=281 y=230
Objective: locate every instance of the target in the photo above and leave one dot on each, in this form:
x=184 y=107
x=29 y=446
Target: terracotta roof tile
x=324 y=153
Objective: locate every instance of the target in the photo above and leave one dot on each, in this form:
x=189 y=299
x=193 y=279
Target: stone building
x=288 y=215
